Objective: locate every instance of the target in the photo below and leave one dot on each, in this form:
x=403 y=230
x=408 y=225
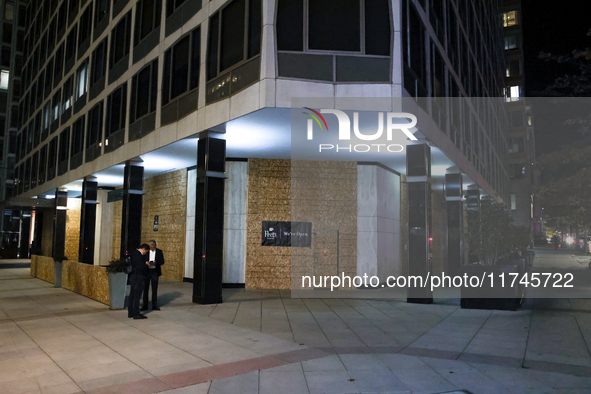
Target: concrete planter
x=57 y=273
x=117 y=288
x=497 y=297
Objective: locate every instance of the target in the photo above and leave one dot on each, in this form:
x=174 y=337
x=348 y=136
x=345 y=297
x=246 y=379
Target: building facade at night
x=520 y=130
x=172 y=120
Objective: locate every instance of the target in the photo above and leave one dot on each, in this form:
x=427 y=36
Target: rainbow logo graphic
x=316 y=118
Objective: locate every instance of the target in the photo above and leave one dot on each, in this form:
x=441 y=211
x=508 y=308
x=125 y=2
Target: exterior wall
x=324 y=193
x=73 y=229
x=235 y=211
x=47 y=233
x=85 y=279
x=42 y=268
x=116 y=245
x=269 y=185
x=378 y=222
x=165 y=195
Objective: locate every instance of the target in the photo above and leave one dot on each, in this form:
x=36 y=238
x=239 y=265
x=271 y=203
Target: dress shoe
x=129 y=316
x=144 y=308
x=155 y=308
x=140 y=317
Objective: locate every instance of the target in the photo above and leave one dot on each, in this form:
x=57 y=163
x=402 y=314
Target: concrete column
x=104 y=229
x=235 y=203
x=190 y=225
x=455 y=222
x=209 y=219
x=378 y=221
x=88 y=220
x=59 y=224
x=131 y=214
x=418 y=170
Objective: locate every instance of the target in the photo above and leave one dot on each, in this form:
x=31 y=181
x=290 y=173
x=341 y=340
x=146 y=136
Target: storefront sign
x=295 y=234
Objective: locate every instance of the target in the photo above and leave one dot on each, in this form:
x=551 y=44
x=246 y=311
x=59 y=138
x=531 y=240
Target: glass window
x=516 y=118
x=229 y=25
x=71 y=44
x=513 y=68
x=82 y=80
x=67 y=95
x=9 y=11
x=510 y=18
x=172 y=5
x=511 y=42
x=55 y=103
x=144 y=87
x=116 y=109
x=85 y=25
x=516 y=145
x=120 y=40
x=4 y=78
x=181 y=66
x=46 y=115
x=331 y=25
x=77 y=136
x=64 y=145
x=512 y=93
x=95 y=125
x=99 y=62
x=101 y=11
x=147 y=18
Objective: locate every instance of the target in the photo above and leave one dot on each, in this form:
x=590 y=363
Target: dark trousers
x=151 y=278
x=137 y=287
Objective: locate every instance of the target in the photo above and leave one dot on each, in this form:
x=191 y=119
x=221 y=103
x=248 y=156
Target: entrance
x=326 y=252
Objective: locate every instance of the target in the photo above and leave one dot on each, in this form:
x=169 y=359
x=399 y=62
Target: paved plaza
x=265 y=342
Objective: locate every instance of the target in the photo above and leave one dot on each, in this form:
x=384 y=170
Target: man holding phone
x=155 y=258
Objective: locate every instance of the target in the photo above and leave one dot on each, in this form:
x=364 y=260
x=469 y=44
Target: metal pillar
x=59 y=225
x=87 y=220
x=418 y=172
x=455 y=222
x=131 y=214
x=209 y=219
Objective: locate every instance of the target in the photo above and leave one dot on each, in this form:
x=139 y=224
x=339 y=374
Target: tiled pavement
x=264 y=342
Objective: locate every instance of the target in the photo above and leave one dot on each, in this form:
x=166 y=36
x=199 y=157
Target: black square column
x=88 y=221
x=418 y=178
x=131 y=214
x=455 y=222
x=59 y=225
x=209 y=219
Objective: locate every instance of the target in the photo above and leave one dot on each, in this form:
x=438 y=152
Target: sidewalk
x=56 y=341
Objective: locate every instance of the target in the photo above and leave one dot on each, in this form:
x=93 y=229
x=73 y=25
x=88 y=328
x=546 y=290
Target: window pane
x=166 y=77
x=180 y=67
x=9 y=11
x=232 y=38
x=195 y=56
x=4 y=77
x=254 y=28
x=290 y=25
x=377 y=27
x=212 y=47
x=334 y=25
x=143 y=92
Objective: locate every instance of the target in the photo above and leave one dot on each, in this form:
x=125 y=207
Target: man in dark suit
x=137 y=280
x=155 y=259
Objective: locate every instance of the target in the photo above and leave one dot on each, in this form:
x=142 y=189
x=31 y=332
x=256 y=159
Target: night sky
x=557 y=27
